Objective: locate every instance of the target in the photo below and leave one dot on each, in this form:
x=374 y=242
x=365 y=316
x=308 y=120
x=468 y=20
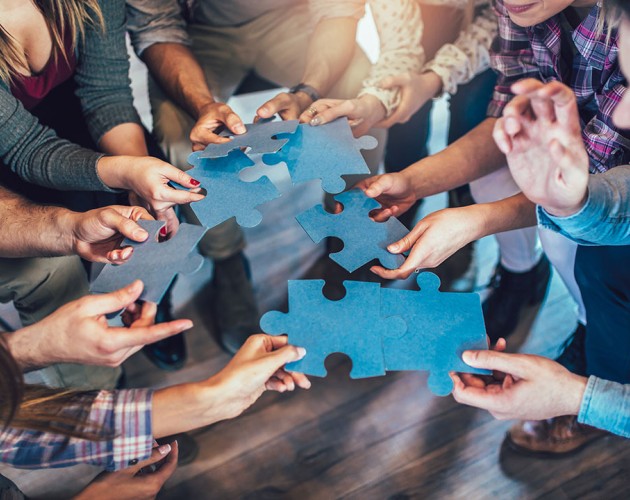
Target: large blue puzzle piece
x=352 y=326
x=228 y=196
x=324 y=152
x=155 y=263
x=363 y=238
x=259 y=138
x=440 y=327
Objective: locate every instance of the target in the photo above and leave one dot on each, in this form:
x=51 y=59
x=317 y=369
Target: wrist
x=29 y=348
x=576 y=389
x=377 y=111
x=111 y=171
x=433 y=83
x=203 y=106
x=568 y=211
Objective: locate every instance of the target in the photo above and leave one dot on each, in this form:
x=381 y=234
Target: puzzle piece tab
x=363 y=238
x=259 y=138
x=155 y=263
x=228 y=196
x=352 y=326
x=324 y=152
x=440 y=327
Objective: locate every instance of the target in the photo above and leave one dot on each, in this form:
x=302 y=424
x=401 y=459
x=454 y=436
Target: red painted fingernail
x=194 y=182
x=163 y=231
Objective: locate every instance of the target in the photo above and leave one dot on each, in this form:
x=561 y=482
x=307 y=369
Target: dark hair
x=40 y=408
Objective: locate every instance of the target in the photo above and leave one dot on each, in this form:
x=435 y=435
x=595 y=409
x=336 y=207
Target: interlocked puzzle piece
x=228 y=196
x=259 y=138
x=155 y=263
x=364 y=239
x=440 y=327
x=353 y=326
x=324 y=152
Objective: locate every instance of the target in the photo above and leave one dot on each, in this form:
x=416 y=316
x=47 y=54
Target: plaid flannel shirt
x=124 y=417
x=596 y=79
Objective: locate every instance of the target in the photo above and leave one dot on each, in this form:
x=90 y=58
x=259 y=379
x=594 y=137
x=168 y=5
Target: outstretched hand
x=213 y=116
x=362 y=113
x=540 y=133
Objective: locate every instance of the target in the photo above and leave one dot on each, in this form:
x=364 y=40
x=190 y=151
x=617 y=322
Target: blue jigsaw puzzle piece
x=324 y=152
x=440 y=327
x=155 y=263
x=228 y=196
x=363 y=238
x=259 y=138
x=352 y=326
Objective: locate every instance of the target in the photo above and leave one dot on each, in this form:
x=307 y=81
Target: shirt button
x=133 y=461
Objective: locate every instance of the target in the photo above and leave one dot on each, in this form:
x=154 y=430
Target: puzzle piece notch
x=259 y=138
x=364 y=239
x=352 y=326
x=326 y=152
x=227 y=195
x=155 y=263
x=440 y=327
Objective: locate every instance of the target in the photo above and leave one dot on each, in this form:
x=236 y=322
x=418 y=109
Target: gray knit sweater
x=34 y=152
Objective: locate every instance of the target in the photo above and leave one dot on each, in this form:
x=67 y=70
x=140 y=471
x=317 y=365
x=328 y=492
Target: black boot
x=233 y=304
x=573 y=356
x=168 y=354
x=512 y=293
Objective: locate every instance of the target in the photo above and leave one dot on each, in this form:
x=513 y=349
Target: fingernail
x=392 y=248
x=315 y=121
x=140 y=234
x=163 y=231
x=240 y=129
x=126 y=253
x=194 y=182
x=301 y=352
x=164 y=449
x=466 y=356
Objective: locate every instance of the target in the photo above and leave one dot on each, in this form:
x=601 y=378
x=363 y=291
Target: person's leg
x=523 y=273
x=38 y=287
x=225 y=60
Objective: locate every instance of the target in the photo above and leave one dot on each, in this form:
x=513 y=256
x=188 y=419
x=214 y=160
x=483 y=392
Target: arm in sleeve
x=102 y=74
x=605 y=217
x=459 y=62
x=124 y=419
x=512 y=57
x=399 y=26
x=155 y=21
x=606 y=405
x=38 y=155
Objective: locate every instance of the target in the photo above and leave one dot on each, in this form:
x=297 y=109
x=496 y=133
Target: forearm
x=28 y=348
x=186 y=407
x=606 y=405
x=30 y=230
x=124 y=139
x=179 y=74
x=326 y=61
x=515 y=212
x=469 y=158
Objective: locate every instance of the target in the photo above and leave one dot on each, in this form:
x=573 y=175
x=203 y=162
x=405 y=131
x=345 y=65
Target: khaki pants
x=38 y=287
x=273 y=45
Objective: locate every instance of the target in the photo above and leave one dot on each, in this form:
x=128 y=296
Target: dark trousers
x=603 y=274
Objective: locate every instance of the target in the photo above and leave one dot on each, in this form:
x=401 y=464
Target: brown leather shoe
x=555 y=437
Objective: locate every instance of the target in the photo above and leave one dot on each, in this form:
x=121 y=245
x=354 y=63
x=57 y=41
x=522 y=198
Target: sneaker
x=168 y=354
x=511 y=294
x=555 y=437
x=233 y=305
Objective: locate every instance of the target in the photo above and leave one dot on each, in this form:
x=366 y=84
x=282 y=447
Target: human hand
x=393 y=191
x=434 y=239
x=97 y=234
x=540 y=133
x=212 y=116
x=287 y=106
x=78 y=332
x=362 y=112
x=135 y=482
x=416 y=89
x=149 y=177
x=256 y=367
x=533 y=387
x=168 y=216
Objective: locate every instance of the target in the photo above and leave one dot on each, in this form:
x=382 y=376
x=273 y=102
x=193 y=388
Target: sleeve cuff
x=133 y=440
x=605 y=405
x=388 y=98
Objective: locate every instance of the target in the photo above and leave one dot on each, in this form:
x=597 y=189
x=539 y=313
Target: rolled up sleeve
x=606 y=405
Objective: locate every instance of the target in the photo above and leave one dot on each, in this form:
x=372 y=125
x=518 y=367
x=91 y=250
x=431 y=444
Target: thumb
x=97 y=305
x=280 y=357
x=125 y=226
x=493 y=360
x=380 y=184
x=407 y=242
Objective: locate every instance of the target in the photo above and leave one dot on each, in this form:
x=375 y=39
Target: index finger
x=273 y=106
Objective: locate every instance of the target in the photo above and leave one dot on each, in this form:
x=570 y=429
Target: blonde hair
x=65 y=18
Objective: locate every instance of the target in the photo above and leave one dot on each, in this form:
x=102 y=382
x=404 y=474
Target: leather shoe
x=168 y=354
x=555 y=437
x=511 y=294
